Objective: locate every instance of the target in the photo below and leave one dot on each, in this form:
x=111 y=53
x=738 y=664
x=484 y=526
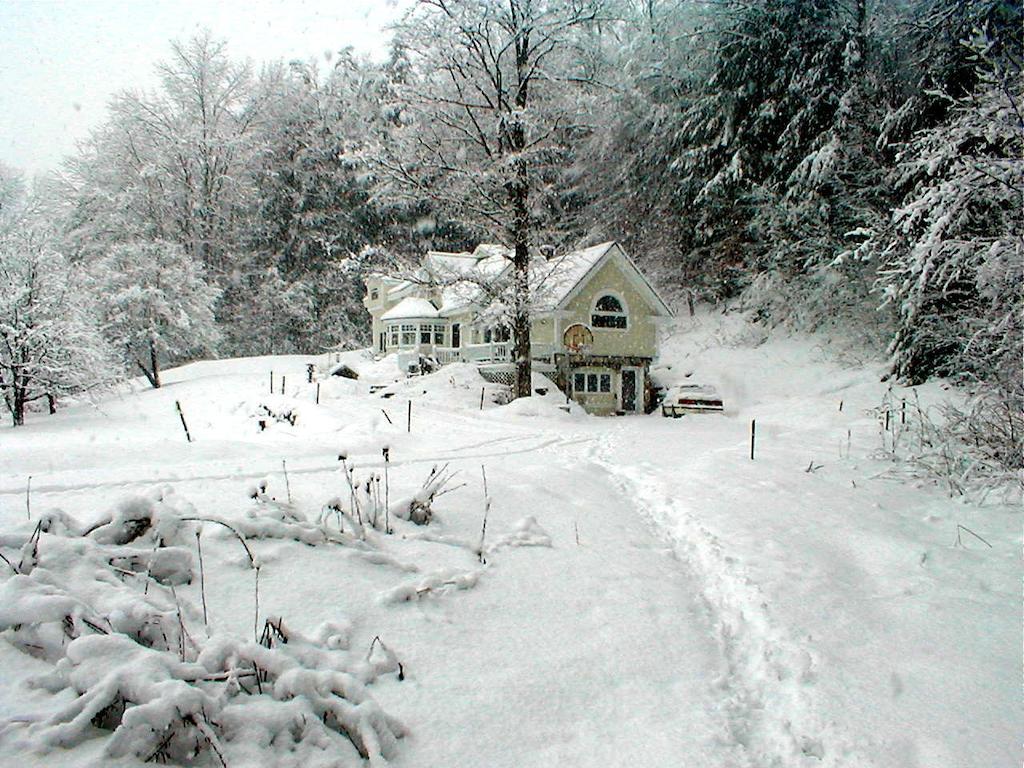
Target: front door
x=456 y=335
x=381 y=342
x=628 y=389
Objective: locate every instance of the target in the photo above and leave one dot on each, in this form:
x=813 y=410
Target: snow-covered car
x=691 y=398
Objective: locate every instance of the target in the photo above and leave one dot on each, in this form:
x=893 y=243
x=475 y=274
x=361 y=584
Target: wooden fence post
x=182 y=417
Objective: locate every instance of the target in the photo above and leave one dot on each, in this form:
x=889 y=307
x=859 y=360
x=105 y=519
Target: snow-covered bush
x=101 y=604
x=418 y=508
x=971 y=443
x=266 y=414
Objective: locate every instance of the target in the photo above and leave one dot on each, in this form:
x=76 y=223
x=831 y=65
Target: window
x=425 y=334
x=497 y=333
x=393 y=334
x=374 y=294
x=608 y=313
x=408 y=335
x=439 y=334
x=592 y=383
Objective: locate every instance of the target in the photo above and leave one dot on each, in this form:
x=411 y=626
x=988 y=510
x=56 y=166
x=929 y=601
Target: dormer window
x=608 y=313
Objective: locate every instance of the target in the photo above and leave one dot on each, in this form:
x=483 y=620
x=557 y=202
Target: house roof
x=569 y=274
x=463 y=276
x=410 y=308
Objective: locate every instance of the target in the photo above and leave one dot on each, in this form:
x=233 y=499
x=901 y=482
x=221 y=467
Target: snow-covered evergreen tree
x=311 y=211
x=953 y=254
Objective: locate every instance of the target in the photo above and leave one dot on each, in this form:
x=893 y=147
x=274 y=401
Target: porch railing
x=445 y=355
x=493 y=352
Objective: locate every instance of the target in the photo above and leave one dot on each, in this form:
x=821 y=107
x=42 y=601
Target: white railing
x=445 y=355
x=495 y=352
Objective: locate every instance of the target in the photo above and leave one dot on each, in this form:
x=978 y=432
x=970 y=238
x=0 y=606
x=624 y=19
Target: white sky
x=60 y=60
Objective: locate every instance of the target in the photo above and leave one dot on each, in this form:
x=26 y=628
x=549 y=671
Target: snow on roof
x=410 y=307
x=439 y=261
x=553 y=280
x=462 y=275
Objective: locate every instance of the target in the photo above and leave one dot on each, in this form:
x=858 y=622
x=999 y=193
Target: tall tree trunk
x=152 y=373
x=519 y=192
x=18 y=399
x=154 y=366
x=521 y=320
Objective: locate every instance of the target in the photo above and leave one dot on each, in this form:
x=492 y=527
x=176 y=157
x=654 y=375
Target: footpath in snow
x=859 y=628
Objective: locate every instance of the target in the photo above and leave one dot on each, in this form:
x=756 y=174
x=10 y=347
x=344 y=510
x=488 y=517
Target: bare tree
x=486 y=119
x=170 y=164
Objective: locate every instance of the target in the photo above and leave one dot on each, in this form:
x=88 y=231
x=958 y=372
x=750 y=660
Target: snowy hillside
x=641 y=594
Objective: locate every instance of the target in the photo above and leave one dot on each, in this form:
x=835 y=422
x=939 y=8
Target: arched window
x=608 y=313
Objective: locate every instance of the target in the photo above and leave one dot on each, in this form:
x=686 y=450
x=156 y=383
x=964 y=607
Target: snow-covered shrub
x=369 y=499
x=266 y=414
x=66 y=587
x=418 y=508
x=100 y=604
x=972 y=443
x=288 y=696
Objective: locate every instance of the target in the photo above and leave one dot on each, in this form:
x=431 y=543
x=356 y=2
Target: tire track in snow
x=455 y=455
x=770 y=677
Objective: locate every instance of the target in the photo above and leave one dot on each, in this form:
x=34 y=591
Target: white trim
x=595 y=311
x=599 y=372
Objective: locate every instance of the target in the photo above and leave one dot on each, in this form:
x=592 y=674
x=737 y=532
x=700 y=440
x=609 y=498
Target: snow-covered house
x=594 y=319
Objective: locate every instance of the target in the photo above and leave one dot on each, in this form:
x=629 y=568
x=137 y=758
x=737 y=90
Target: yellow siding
x=542 y=331
x=597 y=403
x=639 y=338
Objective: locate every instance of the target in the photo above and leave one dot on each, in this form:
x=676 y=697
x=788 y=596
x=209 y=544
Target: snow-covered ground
x=648 y=596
